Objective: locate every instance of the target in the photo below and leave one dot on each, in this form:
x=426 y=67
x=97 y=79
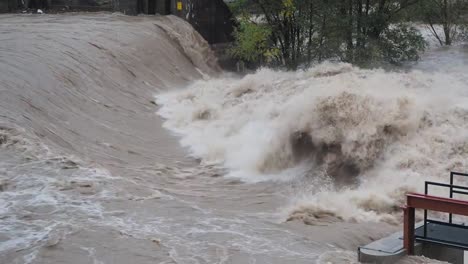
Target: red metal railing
x=432 y=203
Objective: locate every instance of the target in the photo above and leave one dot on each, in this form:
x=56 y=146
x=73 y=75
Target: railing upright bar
x=426 y=189
x=451 y=192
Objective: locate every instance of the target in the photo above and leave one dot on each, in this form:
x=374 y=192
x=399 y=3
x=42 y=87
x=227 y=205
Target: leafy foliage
x=401 y=43
x=252 y=42
x=299 y=32
x=238 y=7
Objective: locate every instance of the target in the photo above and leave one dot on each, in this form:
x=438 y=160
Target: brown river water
x=122 y=141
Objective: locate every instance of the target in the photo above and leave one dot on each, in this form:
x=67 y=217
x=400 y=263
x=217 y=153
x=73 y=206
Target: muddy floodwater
x=122 y=141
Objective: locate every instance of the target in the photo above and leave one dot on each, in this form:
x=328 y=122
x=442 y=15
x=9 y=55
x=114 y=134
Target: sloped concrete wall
x=211 y=18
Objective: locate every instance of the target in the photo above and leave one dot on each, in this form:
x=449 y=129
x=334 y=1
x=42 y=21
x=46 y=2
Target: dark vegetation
x=295 y=33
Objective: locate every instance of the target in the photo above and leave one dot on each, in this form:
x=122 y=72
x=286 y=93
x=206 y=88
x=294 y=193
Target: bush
x=252 y=43
x=401 y=43
x=296 y=33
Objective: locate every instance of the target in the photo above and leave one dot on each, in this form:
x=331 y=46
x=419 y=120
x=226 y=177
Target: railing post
x=426 y=191
x=408 y=230
x=451 y=193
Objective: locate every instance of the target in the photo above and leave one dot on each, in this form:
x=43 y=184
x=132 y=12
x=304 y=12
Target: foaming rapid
x=365 y=137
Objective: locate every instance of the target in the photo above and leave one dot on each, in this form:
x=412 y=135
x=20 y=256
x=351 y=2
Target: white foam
x=40 y=200
x=397 y=129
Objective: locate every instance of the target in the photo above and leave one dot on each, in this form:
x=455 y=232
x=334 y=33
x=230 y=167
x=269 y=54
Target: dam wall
x=211 y=18
x=4 y=7
x=8 y=6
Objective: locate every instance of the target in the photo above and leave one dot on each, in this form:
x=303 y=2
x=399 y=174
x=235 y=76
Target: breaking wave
x=365 y=136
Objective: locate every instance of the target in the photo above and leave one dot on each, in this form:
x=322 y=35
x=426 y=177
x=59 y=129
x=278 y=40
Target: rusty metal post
x=408 y=229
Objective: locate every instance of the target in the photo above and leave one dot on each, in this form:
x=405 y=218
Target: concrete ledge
x=450 y=255
x=387 y=250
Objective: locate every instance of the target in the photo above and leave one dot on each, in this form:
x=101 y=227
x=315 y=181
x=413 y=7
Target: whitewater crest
x=368 y=135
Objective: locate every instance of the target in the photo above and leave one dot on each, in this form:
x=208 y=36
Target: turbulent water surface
x=273 y=167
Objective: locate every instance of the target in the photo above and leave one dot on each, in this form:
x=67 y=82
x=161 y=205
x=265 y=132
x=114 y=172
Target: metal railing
x=453 y=189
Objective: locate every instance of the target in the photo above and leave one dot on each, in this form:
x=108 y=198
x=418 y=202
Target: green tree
x=252 y=43
x=356 y=31
x=401 y=43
